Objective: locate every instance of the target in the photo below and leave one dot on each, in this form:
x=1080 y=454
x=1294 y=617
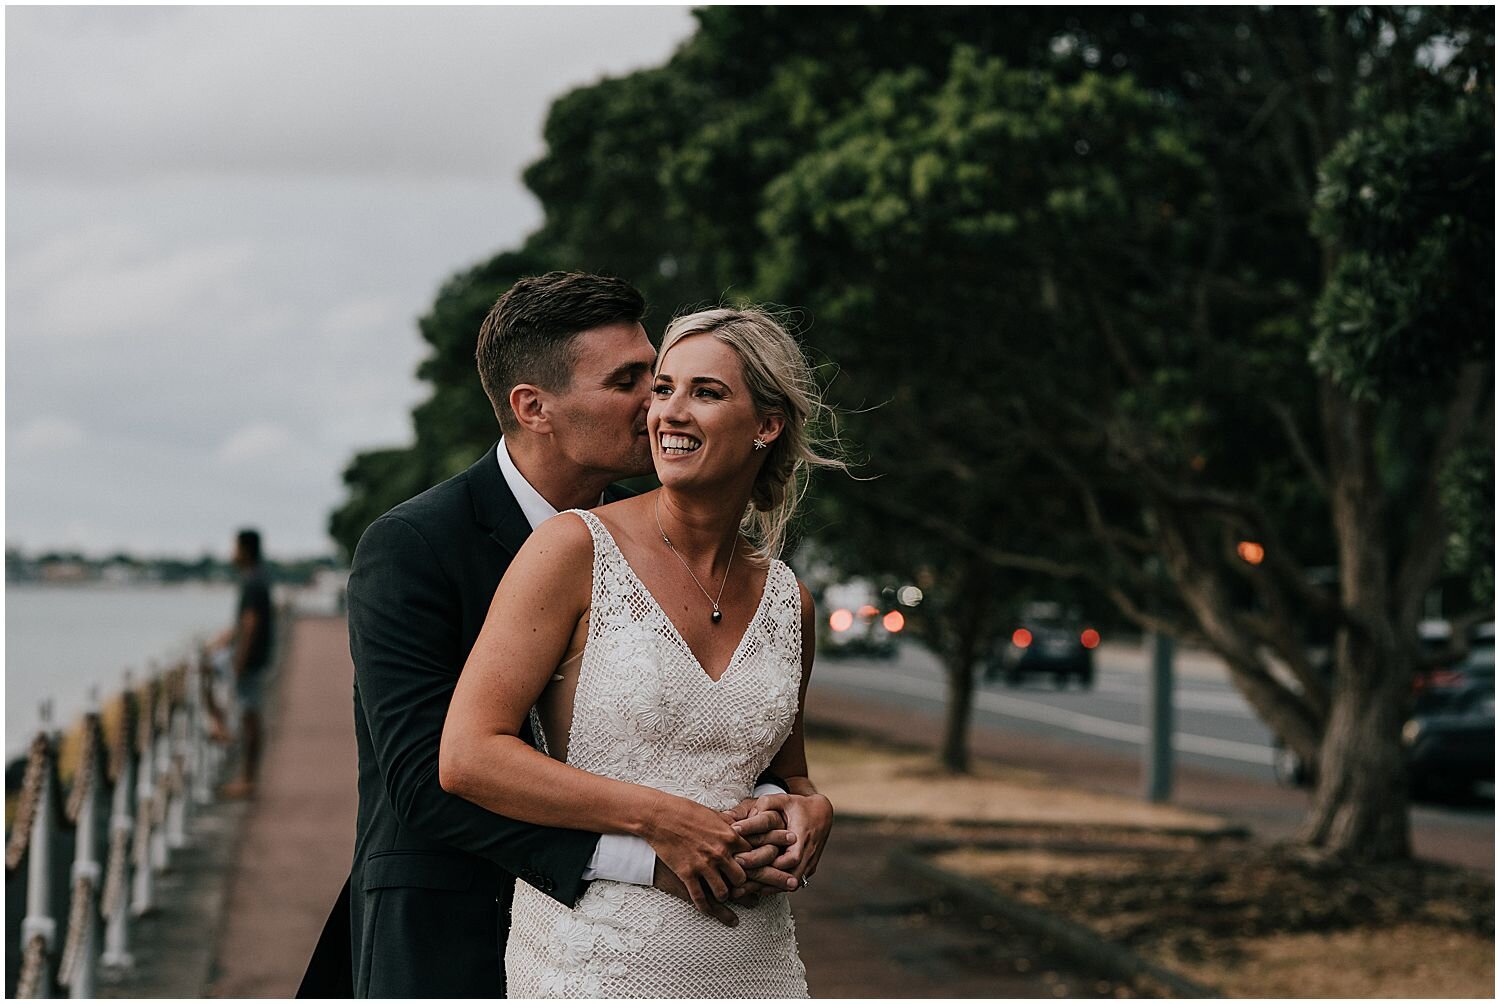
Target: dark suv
x=1050 y=641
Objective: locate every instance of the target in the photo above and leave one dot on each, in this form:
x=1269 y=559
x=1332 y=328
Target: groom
x=567 y=366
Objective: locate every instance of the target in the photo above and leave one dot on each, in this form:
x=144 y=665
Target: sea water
x=61 y=642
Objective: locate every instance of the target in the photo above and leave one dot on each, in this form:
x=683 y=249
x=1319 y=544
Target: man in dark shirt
x=250 y=638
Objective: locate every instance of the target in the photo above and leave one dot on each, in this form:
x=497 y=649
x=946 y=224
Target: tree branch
x=1424 y=551
x=1278 y=554
x=1289 y=713
x=1112 y=339
x=1278 y=630
x=1112 y=537
x=1299 y=445
x=1001 y=558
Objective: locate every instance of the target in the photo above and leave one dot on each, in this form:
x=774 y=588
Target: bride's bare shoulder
x=626 y=519
x=628 y=508
x=560 y=542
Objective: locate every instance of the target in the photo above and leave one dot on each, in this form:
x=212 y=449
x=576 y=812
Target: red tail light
x=1089 y=638
x=1437 y=678
x=1021 y=638
x=868 y=612
x=893 y=621
x=841 y=620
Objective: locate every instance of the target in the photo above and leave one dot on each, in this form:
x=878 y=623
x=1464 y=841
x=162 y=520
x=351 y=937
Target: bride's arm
x=483 y=759
x=808 y=814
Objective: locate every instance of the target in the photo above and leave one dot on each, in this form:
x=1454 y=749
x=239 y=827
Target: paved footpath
x=298 y=836
x=864 y=930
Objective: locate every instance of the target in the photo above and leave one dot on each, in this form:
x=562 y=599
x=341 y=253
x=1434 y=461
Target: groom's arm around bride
x=426 y=908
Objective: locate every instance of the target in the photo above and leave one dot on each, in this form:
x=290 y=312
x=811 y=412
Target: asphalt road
x=1096 y=737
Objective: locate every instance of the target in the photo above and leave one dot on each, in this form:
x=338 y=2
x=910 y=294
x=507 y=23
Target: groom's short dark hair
x=529 y=333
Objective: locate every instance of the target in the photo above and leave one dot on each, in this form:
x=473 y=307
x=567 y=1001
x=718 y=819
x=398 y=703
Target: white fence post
x=80 y=958
x=145 y=792
x=181 y=793
x=39 y=922
x=162 y=777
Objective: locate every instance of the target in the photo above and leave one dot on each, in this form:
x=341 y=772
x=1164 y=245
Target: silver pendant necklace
x=716 y=616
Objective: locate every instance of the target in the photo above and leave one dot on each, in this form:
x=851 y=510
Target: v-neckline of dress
x=734 y=657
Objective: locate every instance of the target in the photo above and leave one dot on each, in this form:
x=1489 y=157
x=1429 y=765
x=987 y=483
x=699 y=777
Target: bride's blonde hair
x=781 y=383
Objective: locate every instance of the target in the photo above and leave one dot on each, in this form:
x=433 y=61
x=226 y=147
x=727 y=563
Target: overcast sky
x=221 y=226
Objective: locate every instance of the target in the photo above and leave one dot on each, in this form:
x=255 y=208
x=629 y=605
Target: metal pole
x=145 y=792
x=177 y=738
x=117 y=928
x=39 y=919
x=86 y=866
x=203 y=765
x=161 y=726
x=1159 y=724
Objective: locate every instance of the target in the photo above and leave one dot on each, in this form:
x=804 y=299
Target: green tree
x=960 y=238
x=1194 y=365
x=1405 y=328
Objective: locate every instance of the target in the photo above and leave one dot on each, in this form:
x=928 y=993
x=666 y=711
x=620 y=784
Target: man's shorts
x=250 y=689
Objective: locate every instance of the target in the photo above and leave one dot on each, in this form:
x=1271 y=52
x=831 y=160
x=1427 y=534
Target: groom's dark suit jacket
x=429 y=895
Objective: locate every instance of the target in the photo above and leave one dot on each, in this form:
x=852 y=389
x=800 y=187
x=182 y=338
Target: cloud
x=384 y=91
x=357 y=317
x=221 y=227
x=262 y=441
x=48 y=434
x=109 y=280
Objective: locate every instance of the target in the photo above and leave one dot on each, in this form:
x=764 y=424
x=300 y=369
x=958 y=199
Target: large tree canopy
x=1105 y=292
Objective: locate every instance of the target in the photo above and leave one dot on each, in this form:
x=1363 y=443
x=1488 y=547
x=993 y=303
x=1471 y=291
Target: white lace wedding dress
x=645 y=711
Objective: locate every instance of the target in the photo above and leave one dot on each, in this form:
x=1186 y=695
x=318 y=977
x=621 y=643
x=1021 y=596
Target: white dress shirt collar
x=536 y=509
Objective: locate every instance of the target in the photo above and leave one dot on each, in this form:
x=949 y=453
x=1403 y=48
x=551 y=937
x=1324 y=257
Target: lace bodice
x=645 y=711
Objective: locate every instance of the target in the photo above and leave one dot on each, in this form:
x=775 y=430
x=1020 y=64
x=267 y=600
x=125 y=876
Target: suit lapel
x=615 y=493
x=495 y=508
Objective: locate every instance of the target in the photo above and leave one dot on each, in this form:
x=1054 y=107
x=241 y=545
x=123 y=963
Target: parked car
x=1050 y=641
x=862 y=620
x=1450 y=738
x=1440 y=674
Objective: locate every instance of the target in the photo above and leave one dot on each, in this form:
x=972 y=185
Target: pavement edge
x=1073 y=940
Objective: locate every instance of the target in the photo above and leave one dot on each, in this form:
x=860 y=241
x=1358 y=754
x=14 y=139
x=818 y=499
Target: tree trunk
x=1361 y=808
x=969 y=626
x=955 y=752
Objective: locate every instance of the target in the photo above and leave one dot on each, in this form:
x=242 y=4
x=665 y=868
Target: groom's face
x=600 y=420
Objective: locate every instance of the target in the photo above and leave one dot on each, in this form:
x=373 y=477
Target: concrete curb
x=1229 y=831
x=1072 y=939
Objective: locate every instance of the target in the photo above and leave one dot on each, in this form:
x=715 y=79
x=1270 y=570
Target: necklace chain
x=716 y=615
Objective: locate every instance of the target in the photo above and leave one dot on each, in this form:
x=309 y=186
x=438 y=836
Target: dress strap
x=594 y=523
x=606 y=554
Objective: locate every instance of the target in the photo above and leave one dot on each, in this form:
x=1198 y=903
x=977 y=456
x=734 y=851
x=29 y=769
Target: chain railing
x=80 y=866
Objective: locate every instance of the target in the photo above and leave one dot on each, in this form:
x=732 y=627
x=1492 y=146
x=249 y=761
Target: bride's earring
x=760 y=444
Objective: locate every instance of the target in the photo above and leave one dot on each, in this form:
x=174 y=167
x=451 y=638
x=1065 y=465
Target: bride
x=665 y=655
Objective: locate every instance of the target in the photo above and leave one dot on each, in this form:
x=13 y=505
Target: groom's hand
x=810 y=818
x=765 y=830
x=698 y=845
x=668 y=882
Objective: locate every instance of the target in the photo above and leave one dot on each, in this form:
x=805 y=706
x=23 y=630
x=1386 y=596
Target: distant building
x=65 y=571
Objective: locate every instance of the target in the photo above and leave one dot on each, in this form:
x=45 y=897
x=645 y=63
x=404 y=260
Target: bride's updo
x=780 y=382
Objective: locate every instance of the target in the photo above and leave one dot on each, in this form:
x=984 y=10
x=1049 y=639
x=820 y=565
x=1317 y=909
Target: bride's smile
x=702 y=420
